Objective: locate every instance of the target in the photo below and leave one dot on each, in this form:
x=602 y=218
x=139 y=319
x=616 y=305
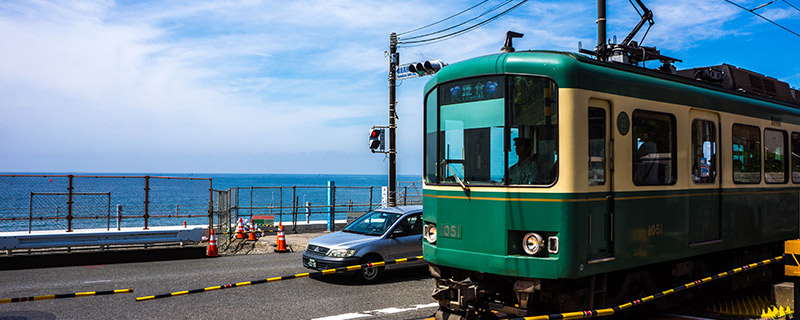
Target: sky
x=249 y=86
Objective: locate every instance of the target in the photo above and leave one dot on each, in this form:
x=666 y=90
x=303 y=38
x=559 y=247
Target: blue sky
x=248 y=86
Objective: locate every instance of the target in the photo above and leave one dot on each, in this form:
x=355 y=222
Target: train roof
x=571 y=70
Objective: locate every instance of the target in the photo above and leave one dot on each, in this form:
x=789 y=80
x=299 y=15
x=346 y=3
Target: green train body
x=709 y=200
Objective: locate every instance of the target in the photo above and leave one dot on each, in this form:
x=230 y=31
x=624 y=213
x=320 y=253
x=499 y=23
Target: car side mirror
x=398 y=232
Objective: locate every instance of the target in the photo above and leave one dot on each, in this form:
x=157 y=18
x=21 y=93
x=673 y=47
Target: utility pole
x=601 y=27
x=394 y=60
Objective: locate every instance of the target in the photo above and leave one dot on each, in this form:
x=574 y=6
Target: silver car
x=382 y=235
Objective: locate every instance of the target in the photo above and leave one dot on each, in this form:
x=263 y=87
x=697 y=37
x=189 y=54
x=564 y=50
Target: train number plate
x=450 y=231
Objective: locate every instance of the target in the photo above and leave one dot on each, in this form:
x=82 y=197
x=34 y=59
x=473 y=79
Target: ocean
x=40 y=201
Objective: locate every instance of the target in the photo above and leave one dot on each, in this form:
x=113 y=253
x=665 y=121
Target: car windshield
x=373 y=223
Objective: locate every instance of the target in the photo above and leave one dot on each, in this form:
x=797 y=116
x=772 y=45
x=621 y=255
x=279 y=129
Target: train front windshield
x=496 y=130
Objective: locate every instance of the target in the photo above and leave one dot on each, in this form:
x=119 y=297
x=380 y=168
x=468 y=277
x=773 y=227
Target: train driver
x=526 y=170
x=646 y=167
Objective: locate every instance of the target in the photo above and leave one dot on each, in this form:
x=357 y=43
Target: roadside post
x=331 y=205
x=119 y=217
x=792 y=267
x=308 y=212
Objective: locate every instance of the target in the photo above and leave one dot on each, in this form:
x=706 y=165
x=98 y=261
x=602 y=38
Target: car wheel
x=369 y=275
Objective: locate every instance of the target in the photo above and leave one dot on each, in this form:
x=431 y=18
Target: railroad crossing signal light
x=427 y=67
x=376 y=137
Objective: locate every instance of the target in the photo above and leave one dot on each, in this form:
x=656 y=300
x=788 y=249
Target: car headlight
x=532 y=243
x=341 y=253
x=429 y=232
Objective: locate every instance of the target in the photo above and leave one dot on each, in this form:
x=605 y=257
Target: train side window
x=597 y=146
x=654 y=156
x=704 y=151
x=795 y=157
x=775 y=163
x=746 y=154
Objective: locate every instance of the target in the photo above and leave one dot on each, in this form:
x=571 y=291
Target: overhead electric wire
x=787 y=2
x=462 y=31
x=462 y=23
x=762 y=17
x=443 y=20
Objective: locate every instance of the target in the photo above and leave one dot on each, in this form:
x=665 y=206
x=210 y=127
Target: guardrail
x=294 y=202
x=68 y=202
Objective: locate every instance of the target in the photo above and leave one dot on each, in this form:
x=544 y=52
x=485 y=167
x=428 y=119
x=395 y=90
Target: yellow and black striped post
x=791 y=266
x=65 y=295
x=274 y=279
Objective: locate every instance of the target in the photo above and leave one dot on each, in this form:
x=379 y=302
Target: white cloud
x=251 y=77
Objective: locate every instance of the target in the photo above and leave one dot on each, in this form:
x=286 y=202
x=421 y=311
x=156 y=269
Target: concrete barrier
x=98 y=237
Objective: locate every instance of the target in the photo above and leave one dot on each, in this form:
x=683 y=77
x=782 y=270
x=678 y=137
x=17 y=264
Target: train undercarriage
x=464 y=294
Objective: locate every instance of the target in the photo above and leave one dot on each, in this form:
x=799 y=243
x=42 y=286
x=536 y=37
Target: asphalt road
x=402 y=294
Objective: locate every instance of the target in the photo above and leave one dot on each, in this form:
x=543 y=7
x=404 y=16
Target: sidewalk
x=266 y=244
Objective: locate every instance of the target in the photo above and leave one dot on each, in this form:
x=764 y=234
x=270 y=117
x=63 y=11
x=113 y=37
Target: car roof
x=401 y=209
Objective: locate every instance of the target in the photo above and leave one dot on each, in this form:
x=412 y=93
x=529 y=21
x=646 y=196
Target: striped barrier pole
x=274 y=279
x=65 y=295
x=611 y=311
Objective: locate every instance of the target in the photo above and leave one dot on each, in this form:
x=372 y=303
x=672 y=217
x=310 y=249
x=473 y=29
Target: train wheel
x=442 y=314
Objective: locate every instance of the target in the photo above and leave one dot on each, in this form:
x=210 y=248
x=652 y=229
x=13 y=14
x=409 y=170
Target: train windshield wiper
x=455 y=174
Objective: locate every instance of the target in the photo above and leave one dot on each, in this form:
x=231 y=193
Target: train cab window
x=775 y=162
x=431 y=133
x=471 y=127
x=746 y=154
x=704 y=151
x=597 y=146
x=654 y=156
x=492 y=131
x=532 y=123
x=795 y=157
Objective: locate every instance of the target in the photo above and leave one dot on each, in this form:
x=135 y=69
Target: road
x=402 y=294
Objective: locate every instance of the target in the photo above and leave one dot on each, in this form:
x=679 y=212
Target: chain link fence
x=69 y=202
x=288 y=204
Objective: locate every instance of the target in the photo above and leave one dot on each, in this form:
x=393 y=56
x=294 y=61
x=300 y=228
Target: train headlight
x=429 y=232
x=532 y=243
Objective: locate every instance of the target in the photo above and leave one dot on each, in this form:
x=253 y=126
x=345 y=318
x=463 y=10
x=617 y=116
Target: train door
x=705 y=185
x=600 y=205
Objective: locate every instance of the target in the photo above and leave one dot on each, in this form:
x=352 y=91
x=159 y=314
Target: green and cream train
x=556 y=182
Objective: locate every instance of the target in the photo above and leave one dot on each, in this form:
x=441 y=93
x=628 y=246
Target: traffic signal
x=427 y=67
x=376 y=140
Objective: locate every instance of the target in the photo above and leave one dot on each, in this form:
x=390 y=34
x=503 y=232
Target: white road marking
x=378 y=312
x=96 y=281
x=344 y=316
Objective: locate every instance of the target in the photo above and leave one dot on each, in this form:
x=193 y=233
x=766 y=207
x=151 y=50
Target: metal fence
x=68 y=202
x=287 y=204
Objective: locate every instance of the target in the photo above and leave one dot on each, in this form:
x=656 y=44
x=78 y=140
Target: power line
x=443 y=20
x=762 y=17
x=462 y=31
x=462 y=23
x=787 y=2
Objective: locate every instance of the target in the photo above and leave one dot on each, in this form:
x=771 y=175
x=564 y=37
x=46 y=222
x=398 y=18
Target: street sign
x=403 y=73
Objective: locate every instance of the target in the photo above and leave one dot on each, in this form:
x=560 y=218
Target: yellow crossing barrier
x=274 y=279
x=610 y=311
x=65 y=295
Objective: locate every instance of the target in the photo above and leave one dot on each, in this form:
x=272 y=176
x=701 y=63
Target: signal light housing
x=376 y=138
x=426 y=67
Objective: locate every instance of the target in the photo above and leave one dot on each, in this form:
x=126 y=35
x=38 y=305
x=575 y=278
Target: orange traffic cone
x=281 y=240
x=252 y=235
x=212 y=245
x=239 y=230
